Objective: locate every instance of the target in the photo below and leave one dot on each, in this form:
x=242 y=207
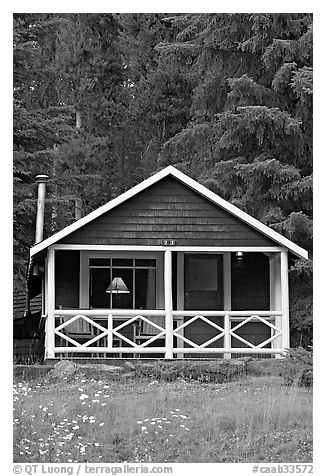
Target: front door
x=203 y=291
x=203 y=282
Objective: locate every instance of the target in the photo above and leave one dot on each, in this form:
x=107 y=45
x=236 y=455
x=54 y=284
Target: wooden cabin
x=28 y=331
x=167 y=269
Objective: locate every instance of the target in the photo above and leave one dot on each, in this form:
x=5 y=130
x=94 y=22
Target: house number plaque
x=169 y=243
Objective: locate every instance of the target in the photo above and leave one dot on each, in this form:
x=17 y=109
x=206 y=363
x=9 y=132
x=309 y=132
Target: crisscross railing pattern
x=191 y=321
x=137 y=319
x=114 y=336
x=255 y=318
x=265 y=317
x=68 y=338
x=107 y=338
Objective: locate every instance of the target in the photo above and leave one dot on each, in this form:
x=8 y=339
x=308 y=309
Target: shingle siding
x=168 y=210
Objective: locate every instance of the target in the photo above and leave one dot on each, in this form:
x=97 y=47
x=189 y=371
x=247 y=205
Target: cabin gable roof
x=243 y=224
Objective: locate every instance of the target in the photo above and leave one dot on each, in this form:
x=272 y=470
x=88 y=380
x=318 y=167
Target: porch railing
x=106 y=338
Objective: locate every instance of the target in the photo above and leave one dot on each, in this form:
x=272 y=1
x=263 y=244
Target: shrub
x=298 y=367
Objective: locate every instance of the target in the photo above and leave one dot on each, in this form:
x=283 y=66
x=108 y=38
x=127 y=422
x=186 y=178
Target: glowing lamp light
x=117 y=286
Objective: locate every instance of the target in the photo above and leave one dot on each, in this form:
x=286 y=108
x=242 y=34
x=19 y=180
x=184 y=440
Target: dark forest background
x=101 y=101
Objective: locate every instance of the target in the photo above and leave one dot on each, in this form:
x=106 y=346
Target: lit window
x=122 y=283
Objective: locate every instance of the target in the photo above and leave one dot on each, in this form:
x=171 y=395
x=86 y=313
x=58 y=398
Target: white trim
x=46 y=303
x=232 y=314
x=168 y=304
x=227 y=286
x=49 y=351
x=160 y=350
x=297 y=250
x=276 y=293
x=45 y=297
x=285 y=300
x=180 y=296
x=188 y=249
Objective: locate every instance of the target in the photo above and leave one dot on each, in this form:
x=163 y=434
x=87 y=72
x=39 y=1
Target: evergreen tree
x=69 y=103
x=39 y=125
x=250 y=134
x=159 y=90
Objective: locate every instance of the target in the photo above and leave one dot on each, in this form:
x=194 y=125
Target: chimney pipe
x=41 y=180
x=78 y=209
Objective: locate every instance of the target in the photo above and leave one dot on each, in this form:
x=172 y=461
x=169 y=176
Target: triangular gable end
x=168 y=210
x=169 y=205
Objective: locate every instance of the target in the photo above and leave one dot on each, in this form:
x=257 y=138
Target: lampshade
x=117 y=286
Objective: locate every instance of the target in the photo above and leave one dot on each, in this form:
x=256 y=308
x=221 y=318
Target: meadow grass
x=255 y=419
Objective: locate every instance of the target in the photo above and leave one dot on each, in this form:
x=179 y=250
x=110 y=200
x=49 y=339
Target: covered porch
x=165 y=301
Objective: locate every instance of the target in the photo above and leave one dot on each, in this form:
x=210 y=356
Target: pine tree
x=159 y=92
x=249 y=137
x=39 y=125
x=68 y=108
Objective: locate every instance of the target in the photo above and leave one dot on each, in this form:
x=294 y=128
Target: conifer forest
x=102 y=101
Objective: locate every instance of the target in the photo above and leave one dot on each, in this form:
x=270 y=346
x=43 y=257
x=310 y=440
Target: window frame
x=85 y=256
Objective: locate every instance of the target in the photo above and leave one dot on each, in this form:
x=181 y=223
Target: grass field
x=255 y=419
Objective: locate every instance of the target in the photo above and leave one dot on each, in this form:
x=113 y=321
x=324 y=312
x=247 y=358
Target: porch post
x=168 y=304
x=285 y=300
x=276 y=296
x=227 y=301
x=50 y=324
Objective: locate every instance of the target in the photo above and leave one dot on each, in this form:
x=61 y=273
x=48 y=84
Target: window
x=122 y=283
